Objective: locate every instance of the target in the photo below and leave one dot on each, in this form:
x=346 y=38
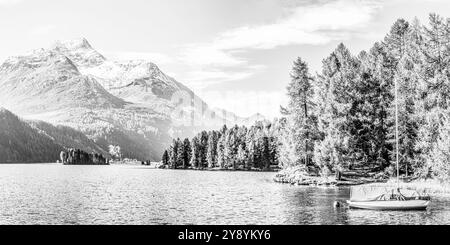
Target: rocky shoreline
x=297 y=176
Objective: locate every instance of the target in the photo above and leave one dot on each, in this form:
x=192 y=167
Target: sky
x=235 y=54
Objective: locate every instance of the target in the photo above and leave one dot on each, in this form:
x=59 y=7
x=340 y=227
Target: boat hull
x=390 y=205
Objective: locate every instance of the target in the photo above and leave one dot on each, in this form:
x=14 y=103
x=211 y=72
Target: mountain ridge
x=126 y=103
x=24 y=141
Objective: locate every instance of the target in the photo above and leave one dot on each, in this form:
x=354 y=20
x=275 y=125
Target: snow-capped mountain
x=126 y=103
x=135 y=81
x=47 y=85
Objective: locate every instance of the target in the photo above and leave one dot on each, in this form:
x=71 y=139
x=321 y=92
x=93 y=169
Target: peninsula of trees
x=343 y=118
x=236 y=148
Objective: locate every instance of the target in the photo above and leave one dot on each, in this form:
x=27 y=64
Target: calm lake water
x=56 y=194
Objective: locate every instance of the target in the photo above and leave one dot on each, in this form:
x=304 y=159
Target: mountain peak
x=5 y=113
x=3 y=110
x=80 y=52
x=74 y=44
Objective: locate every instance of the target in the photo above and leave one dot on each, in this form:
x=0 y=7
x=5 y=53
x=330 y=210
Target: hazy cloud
x=308 y=23
x=200 y=79
x=9 y=2
x=157 y=58
x=41 y=31
x=265 y=102
x=316 y=24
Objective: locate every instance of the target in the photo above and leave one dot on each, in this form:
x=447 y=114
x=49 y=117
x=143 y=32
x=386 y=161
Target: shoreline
x=223 y=170
x=431 y=186
x=295 y=176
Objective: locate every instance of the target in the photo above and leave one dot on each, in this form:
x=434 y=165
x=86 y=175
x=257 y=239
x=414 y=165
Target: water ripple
x=55 y=194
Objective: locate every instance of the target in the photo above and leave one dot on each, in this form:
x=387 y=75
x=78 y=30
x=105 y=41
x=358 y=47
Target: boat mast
x=396 y=132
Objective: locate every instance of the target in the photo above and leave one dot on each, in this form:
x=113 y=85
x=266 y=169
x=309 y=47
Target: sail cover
x=375 y=192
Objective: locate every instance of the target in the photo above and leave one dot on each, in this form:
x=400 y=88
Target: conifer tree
x=203 y=149
x=302 y=125
x=396 y=40
x=211 y=155
x=173 y=158
x=184 y=153
x=373 y=103
x=165 y=158
x=242 y=156
x=335 y=89
x=221 y=161
x=265 y=153
x=434 y=86
x=195 y=155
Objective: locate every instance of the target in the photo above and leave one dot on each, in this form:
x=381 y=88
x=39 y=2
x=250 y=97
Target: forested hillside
x=24 y=141
x=20 y=143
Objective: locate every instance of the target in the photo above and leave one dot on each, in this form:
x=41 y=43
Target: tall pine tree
x=298 y=142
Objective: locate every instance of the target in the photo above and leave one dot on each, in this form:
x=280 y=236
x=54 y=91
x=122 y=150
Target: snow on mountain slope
x=46 y=81
x=126 y=103
x=47 y=85
x=135 y=81
x=139 y=82
x=79 y=51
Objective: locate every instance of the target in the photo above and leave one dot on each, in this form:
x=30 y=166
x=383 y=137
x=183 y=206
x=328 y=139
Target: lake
x=57 y=194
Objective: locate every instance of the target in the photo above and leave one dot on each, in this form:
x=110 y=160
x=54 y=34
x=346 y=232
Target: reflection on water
x=55 y=194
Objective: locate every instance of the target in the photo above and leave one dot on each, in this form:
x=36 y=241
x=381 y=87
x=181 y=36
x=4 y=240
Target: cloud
x=41 y=31
x=157 y=58
x=265 y=102
x=9 y=2
x=313 y=24
x=209 y=55
x=200 y=79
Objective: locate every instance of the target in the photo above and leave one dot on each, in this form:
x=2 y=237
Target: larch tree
x=298 y=144
x=371 y=108
x=203 y=148
x=165 y=158
x=335 y=96
x=401 y=44
x=221 y=161
x=195 y=153
x=212 y=149
x=173 y=158
x=186 y=152
x=434 y=88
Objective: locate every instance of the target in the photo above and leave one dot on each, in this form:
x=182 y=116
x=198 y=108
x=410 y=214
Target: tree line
x=344 y=116
x=236 y=148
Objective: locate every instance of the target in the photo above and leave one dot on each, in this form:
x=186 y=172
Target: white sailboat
x=385 y=197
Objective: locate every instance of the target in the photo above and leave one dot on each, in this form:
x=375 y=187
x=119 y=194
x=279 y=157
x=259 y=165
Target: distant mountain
x=33 y=142
x=126 y=103
x=251 y=120
x=19 y=142
x=238 y=120
x=67 y=137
